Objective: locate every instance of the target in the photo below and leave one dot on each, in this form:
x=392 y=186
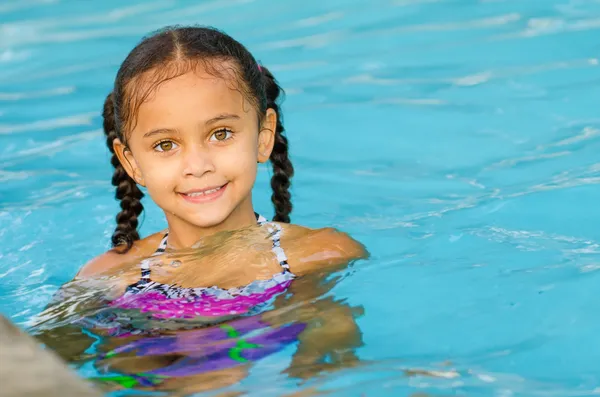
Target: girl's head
x=190 y=116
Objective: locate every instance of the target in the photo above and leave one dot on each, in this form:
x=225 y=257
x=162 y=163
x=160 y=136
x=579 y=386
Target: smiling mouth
x=204 y=195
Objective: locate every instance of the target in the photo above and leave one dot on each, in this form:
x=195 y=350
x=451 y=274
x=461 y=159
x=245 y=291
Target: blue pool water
x=458 y=139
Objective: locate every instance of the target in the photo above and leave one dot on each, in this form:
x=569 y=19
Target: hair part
x=165 y=55
x=142 y=87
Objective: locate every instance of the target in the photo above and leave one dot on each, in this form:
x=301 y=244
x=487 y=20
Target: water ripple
x=457 y=139
x=18 y=96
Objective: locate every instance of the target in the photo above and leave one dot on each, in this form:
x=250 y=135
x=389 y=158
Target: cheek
x=241 y=160
x=236 y=166
x=158 y=173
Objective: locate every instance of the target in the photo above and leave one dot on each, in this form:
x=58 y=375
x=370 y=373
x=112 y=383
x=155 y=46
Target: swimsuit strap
x=145 y=265
x=275 y=231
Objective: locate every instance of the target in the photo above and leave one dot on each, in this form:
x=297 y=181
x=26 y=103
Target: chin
x=210 y=218
x=208 y=221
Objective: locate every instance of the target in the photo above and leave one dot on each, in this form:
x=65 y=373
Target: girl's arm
x=316 y=250
x=56 y=326
x=331 y=336
x=329 y=341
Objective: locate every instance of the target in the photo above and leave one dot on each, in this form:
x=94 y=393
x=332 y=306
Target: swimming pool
x=457 y=139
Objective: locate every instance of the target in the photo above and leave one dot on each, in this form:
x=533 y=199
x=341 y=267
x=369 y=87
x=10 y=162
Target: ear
x=266 y=136
x=128 y=161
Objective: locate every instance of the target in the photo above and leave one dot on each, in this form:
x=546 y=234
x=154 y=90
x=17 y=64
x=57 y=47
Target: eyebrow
x=158 y=131
x=221 y=117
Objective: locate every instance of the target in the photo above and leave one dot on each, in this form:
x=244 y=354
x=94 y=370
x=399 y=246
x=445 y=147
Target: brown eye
x=165 y=146
x=221 y=135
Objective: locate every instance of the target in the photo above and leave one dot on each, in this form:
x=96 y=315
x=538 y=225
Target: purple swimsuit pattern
x=238 y=342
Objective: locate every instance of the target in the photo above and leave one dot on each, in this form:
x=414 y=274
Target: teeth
x=196 y=194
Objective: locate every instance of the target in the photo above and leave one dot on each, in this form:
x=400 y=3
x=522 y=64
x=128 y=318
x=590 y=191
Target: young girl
x=191 y=116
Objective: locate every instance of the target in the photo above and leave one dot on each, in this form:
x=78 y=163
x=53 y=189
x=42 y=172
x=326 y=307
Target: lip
x=203 y=198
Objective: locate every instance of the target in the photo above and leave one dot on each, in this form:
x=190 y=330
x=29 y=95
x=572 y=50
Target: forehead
x=196 y=94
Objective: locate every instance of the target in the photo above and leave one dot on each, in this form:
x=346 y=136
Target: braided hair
x=166 y=54
x=283 y=171
x=127 y=191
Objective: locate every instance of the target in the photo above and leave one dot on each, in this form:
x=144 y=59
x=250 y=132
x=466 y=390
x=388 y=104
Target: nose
x=197 y=161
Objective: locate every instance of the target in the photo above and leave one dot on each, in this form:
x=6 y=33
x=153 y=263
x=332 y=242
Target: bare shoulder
x=113 y=259
x=315 y=249
x=327 y=238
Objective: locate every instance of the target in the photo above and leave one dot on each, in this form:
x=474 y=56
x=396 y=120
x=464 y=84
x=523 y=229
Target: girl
x=190 y=117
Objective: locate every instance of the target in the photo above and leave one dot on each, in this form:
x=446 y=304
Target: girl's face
x=195 y=145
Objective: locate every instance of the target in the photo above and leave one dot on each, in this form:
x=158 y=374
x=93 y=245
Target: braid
x=283 y=171
x=127 y=190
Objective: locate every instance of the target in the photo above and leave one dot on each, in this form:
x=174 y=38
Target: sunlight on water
x=457 y=139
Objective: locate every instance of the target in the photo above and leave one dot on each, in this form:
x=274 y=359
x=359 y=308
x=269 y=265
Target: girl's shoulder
x=327 y=235
x=313 y=249
x=112 y=259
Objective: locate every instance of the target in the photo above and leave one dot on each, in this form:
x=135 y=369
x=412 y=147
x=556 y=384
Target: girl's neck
x=183 y=234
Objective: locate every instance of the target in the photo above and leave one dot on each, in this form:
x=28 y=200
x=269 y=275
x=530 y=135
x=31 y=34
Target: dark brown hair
x=166 y=54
